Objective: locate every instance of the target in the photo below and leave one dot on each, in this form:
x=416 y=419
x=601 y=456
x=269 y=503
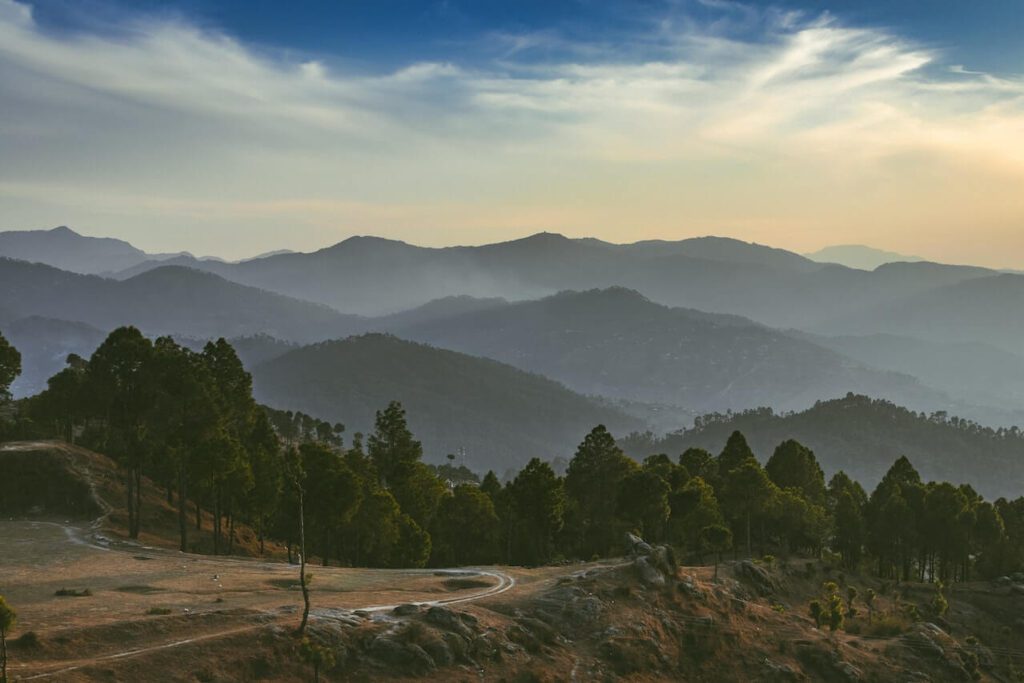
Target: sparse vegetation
x=318 y=656
x=8 y=619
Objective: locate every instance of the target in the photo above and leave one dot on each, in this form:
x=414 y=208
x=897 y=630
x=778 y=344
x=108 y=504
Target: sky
x=235 y=128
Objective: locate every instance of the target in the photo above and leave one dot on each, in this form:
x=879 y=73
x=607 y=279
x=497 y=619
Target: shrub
x=72 y=593
x=158 y=611
x=939 y=605
x=28 y=639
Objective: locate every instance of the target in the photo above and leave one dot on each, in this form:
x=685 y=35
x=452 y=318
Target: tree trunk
x=749 y=553
x=182 y=516
x=130 y=486
x=216 y=521
x=302 y=565
x=259 y=528
x=231 y=533
x=138 y=500
x=199 y=517
x=3 y=657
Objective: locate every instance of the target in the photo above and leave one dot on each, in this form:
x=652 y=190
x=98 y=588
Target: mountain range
x=619 y=344
x=165 y=300
x=654 y=332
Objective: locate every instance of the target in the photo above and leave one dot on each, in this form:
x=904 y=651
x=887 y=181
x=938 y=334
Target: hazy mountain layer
x=980 y=373
x=63 y=248
x=500 y=415
x=167 y=300
x=986 y=309
x=369 y=276
x=859 y=256
x=45 y=344
x=618 y=344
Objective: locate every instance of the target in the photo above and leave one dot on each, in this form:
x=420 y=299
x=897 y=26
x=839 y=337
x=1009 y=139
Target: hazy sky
x=235 y=128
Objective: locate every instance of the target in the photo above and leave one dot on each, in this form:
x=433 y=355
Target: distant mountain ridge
x=365 y=283
x=373 y=276
x=860 y=256
x=501 y=416
x=167 y=300
x=619 y=344
x=65 y=249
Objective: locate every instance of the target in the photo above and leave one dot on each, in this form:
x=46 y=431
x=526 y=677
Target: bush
x=72 y=593
x=158 y=611
x=29 y=640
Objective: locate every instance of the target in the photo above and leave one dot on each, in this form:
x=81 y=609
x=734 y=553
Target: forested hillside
x=863 y=437
x=501 y=416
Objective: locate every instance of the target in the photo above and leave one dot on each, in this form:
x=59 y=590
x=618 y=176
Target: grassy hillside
x=500 y=415
x=864 y=437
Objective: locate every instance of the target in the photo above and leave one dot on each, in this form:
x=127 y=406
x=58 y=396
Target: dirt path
x=125 y=554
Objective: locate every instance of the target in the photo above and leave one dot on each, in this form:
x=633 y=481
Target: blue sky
x=238 y=127
x=986 y=35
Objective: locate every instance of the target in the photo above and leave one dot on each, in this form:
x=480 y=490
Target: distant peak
x=545 y=237
x=616 y=293
x=364 y=241
x=63 y=230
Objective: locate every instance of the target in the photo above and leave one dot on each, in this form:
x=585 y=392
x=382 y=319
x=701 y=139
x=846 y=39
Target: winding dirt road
x=86 y=545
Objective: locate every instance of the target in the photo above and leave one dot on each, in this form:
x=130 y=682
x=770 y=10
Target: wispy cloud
x=771 y=125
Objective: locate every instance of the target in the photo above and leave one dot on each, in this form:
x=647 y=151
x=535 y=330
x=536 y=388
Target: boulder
x=406 y=657
x=637 y=546
x=406 y=610
x=647 y=572
x=442 y=617
x=757 y=576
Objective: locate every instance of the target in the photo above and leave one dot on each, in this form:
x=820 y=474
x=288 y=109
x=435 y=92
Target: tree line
x=187 y=421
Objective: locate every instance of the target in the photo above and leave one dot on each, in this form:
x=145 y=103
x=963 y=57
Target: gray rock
x=439 y=652
x=647 y=572
x=445 y=618
x=848 y=671
x=664 y=558
x=404 y=656
x=406 y=610
x=585 y=611
x=457 y=645
x=779 y=672
x=757 y=575
x=637 y=545
x=922 y=643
